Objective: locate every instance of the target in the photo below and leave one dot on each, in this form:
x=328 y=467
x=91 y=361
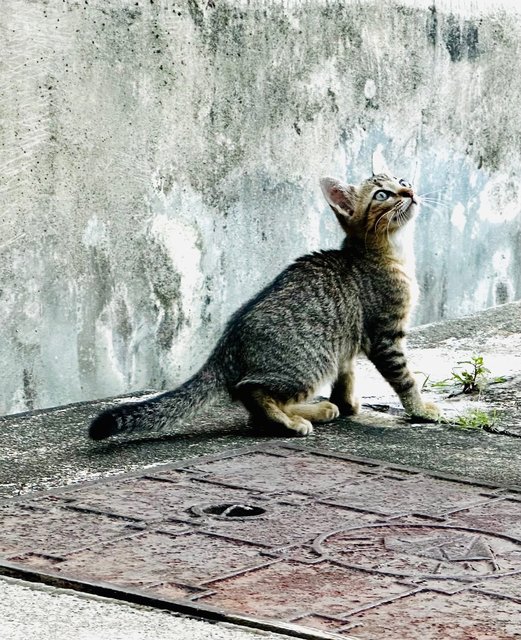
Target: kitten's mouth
x=405 y=212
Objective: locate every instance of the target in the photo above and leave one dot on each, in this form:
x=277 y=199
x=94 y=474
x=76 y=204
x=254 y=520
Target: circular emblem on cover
x=426 y=551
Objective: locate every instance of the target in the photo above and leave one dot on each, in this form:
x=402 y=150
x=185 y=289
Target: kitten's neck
x=402 y=248
x=401 y=244
x=397 y=247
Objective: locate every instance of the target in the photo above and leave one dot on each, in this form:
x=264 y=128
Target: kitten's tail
x=154 y=414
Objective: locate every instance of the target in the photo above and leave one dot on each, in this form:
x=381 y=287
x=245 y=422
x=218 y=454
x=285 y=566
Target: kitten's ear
x=379 y=163
x=340 y=197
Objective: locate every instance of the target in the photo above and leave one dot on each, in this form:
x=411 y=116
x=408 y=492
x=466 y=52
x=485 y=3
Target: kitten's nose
x=408 y=193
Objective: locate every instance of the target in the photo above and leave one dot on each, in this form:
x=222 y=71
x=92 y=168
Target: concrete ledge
x=49 y=448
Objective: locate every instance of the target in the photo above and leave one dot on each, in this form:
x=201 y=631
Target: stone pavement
x=48 y=449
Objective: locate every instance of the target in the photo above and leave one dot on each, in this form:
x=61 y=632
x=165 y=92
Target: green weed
x=476 y=419
x=468 y=376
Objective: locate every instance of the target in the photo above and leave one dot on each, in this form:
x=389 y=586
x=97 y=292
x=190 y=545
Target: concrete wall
x=160 y=162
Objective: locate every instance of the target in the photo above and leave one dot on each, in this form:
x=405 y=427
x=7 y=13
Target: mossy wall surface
x=160 y=163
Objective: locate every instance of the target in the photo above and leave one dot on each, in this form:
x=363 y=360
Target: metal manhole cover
x=284 y=538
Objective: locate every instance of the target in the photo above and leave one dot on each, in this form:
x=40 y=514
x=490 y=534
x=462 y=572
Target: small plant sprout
x=472 y=379
x=480 y=420
x=469 y=376
x=477 y=419
x=426 y=378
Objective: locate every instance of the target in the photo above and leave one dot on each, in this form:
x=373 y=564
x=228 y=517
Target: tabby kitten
x=307 y=327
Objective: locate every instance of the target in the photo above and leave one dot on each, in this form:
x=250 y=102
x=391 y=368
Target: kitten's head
x=376 y=208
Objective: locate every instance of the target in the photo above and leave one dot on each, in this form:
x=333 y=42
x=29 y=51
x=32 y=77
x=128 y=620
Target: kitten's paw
x=326 y=410
x=429 y=412
x=301 y=426
x=350 y=408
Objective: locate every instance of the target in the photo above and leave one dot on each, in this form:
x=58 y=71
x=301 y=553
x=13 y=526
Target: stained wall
x=160 y=162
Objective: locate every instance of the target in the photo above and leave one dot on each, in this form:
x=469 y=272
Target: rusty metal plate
x=311 y=543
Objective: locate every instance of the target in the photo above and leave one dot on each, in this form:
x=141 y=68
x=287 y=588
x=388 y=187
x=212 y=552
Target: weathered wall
x=160 y=162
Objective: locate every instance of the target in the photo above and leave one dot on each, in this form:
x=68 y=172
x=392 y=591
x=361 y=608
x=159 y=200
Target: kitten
x=307 y=327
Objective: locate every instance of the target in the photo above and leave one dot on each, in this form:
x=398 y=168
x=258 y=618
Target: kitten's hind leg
x=263 y=407
x=315 y=412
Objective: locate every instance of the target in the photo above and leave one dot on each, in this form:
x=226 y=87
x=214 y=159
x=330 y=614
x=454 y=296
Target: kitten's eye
x=381 y=196
x=404 y=183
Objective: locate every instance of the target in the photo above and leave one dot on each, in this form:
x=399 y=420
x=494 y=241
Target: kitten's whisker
x=436 y=200
x=437 y=209
x=365 y=238
x=374 y=229
x=382 y=217
x=428 y=193
x=387 y=229
x=400 y=214
x=429 y=203
x=378 y=222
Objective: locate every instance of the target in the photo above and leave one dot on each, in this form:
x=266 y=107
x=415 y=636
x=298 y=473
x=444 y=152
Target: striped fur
x=308 y=325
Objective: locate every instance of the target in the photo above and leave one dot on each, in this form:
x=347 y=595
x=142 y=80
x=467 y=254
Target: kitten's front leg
x=342 y=393
x=387 y=354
